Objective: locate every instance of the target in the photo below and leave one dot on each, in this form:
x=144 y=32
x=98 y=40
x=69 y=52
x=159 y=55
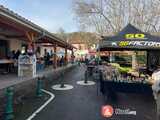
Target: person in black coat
x=17 y=54
x=62 y=61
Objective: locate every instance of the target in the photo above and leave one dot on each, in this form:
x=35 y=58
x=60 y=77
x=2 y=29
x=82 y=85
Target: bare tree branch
x=109 y=16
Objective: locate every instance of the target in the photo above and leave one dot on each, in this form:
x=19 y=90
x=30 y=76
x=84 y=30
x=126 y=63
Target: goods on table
x=111 y=72
x=121 y=69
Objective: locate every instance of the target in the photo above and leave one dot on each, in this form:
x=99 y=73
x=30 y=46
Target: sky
x=49 y=14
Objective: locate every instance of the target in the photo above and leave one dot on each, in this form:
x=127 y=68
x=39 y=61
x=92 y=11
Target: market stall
x=137 y=79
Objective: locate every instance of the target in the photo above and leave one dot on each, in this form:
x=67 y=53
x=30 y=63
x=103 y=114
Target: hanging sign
x=139 y=43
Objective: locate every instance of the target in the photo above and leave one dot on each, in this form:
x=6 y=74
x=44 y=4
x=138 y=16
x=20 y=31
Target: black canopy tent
x=131 y=38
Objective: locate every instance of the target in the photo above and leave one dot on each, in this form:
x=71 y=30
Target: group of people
x=47 y=58
x=44 y=60
x=14 y=54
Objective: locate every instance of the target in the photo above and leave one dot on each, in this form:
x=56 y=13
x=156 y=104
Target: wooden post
x=66 y=56
x=55 y=57
x=72 y=56
x=30 y=36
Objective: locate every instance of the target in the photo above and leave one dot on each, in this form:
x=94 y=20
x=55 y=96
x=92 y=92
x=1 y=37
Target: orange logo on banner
x=107 y=111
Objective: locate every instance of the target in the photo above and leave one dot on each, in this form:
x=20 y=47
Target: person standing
x=13 y=54
x=17 y=54
x=156 y=90
x=51 y=53
x=45 y=57
x=86 y=61
x=62 y=61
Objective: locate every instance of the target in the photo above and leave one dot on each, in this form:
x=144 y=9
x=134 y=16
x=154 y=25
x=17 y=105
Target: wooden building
x=16 y=33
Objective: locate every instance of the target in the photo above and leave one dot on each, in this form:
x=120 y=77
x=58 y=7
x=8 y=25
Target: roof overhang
x=11 y=16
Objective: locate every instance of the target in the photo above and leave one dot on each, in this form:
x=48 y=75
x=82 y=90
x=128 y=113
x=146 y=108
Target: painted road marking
x=43 y=106
x=58 y=87
x=83 y=83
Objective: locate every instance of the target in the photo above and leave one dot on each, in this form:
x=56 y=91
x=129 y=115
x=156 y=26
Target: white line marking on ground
x=58 y=87
x=83 y=83
x=43 y=106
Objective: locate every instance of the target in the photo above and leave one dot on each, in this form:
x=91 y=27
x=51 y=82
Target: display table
x=125 y=87
x=8 y=63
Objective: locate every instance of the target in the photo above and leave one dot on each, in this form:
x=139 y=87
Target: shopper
x=156 y=90
x=13 y=54
x=46 y=57
x=17 y=54
x=62 y=61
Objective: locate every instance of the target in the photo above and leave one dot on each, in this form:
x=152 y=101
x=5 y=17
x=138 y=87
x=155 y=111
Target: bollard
x=101 y=79
x=9 y=104
x=39 y=87
x=86 y=77
x=98 y=77
x=62 y=83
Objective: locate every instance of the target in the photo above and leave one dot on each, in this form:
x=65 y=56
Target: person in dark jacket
x=46 y=58
x=17 y=54
x=62 y=61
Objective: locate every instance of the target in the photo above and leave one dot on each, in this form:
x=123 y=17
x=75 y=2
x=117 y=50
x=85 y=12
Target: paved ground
x=82 y=103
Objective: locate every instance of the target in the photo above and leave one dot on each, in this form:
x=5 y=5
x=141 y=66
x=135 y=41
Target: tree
x=83 y=37
x=62 y=34
x=110 y=16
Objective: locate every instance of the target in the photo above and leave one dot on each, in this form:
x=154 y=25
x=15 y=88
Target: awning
x=130 y=38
